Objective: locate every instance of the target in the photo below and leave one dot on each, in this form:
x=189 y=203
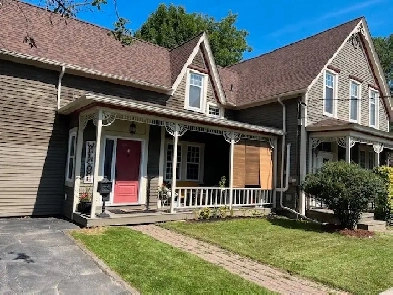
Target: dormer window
x=195 y=92
x=330 y=90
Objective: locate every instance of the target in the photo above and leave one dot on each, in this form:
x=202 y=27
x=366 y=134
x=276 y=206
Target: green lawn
x=154 y=267
x=352 y=264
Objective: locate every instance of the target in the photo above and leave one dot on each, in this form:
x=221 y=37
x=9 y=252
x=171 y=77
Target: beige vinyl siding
x=33 y=142
x=350 y=61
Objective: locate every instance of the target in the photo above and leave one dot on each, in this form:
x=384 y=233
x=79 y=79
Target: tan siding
x=199 y=61
x=350 y=61
x=33 y=142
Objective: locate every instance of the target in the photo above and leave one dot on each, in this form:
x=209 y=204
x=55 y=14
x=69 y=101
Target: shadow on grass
x=297 y=224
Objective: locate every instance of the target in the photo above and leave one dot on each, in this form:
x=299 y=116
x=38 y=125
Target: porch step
x=372 y=225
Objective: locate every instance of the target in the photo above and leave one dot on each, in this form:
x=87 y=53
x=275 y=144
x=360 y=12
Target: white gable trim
x=374 y=59
x=212 y=67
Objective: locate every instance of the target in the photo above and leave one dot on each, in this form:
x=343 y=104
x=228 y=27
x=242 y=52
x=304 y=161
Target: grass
x=153 y=267
x=351 y=264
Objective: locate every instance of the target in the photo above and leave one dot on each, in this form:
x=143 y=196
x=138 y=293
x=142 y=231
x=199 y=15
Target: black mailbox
x=104 y=188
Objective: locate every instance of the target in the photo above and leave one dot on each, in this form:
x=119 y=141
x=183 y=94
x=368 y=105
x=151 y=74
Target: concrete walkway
x=248 y=269
x=36 y=257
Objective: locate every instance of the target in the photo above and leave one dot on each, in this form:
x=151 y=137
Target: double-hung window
x=330 y=90
x=195 y=93
x=71 y=155
x=169 y=162
x=373 y=108
x=189 y=161
x=213 y=110
x=354 y=102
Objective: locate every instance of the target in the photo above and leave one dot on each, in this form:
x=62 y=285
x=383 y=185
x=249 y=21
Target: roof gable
x=201 y=46
x=288 y=69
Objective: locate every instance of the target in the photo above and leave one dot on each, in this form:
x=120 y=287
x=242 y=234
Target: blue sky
x=271 y=24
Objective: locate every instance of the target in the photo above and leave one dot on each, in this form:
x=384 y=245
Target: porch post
x=78 y=157
x=348 y=145
x=232 y=149
x=174 y=166
x=378 y=148
x=96 y=164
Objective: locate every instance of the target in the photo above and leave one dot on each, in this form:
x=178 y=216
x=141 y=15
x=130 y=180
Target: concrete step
x=372 y=225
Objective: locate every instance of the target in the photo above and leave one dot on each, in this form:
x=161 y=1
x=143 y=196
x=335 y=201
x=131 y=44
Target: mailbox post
x=104 y=188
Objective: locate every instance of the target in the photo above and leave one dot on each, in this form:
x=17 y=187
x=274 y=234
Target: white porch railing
x=314 y=203
x=200 y=197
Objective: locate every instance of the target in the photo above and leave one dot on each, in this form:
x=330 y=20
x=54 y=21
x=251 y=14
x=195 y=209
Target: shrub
x=384 y=203
x=345 y=188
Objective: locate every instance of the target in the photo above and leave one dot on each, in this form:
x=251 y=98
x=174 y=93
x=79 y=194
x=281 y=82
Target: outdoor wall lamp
x=132 y=128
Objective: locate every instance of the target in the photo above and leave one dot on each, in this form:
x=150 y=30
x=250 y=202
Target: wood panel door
x=127 y=170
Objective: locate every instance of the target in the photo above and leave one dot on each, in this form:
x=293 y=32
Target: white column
x=303 y=164
x=96 y=195
x=174 y=166
x=275 y=172
x=376 y=164
x=78 y=164
x=310 y=156
x=348 y=149
x=232 y=149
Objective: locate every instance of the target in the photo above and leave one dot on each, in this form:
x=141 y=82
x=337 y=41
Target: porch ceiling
x=90 y=100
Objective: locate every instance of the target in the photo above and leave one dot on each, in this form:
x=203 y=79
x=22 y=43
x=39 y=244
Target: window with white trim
x=354 y=102
x=189 y=161
x=213 y=110
x=195 y=92
x=193 y=162
x=71 y=156
x=330 y=91
x=169 y=162
x=366 y=157
x=373 y=108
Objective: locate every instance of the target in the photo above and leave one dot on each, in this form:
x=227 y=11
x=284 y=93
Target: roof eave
x=17 y=55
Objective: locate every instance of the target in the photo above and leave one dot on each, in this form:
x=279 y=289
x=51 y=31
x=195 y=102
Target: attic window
x=213 y=110
x=195 y=91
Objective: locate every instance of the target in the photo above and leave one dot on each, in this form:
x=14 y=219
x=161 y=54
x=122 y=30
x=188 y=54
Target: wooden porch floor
x=133 y=216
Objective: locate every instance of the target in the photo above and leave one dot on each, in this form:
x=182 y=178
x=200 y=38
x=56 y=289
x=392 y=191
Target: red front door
x=128 y=159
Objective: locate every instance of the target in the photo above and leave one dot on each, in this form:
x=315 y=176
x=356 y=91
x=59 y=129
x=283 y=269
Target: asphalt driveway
x=37 y=257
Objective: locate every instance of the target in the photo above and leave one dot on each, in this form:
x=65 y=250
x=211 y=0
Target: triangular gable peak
x=360 y=37
x=201 y=59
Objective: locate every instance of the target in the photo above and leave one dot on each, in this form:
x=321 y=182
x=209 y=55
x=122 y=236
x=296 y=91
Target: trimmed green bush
x=345 y=188
x=384 y=204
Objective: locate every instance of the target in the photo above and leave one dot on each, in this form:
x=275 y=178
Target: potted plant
x=84 y=205
x=163 y=194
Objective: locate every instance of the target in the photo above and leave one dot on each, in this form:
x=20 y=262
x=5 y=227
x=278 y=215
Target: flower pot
x=84 y=207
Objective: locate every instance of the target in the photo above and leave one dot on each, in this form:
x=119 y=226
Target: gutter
x=63 y=68
x=283 y=189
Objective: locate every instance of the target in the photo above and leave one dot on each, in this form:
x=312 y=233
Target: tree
x=384 y=48
x=345 y=188
x=70 y=8
x=171 y=26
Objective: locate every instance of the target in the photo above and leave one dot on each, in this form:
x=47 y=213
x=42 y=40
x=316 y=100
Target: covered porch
x=365 y=146
x=132 y=144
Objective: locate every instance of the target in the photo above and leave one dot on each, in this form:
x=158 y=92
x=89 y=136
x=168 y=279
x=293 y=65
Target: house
x=335 y=98
x=77 y=106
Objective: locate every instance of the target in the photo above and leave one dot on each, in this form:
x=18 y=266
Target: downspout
x=283 y=188
x=63 y=68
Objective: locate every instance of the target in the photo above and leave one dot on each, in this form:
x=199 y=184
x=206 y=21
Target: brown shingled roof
x=82 y=44
x=180 y=54
x=230 y=83
x=290 y=68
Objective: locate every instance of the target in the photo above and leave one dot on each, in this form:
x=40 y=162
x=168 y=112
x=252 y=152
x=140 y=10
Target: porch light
x=132 y=128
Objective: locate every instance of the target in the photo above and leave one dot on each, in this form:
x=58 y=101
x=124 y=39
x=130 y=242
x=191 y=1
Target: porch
x=350 y=142
x=152 y=180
